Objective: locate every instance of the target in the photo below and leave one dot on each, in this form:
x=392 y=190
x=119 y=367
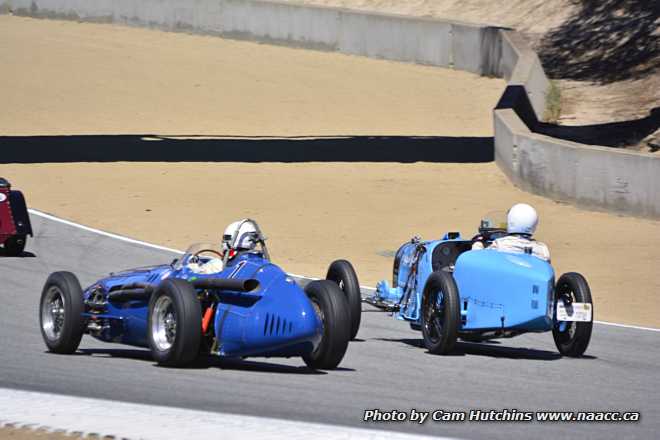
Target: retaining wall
x=394 y=37
x=588 y=176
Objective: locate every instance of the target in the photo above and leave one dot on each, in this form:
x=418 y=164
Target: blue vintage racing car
x=213 y=301
x=449 y=291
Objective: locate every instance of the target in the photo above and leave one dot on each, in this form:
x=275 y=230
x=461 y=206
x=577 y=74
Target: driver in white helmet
x=239 y=236
x=522 y=220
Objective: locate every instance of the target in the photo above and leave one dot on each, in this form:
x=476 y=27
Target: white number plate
x=574 y=312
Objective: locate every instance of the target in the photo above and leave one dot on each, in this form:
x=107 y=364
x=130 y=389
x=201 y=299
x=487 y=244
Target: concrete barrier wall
x=280 y=23
x=587 y=176
x=520 y=65
x=394 y=37
x=185 y=15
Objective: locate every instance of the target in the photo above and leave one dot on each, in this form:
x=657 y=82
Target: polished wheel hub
x=163 y=323
x=52 y=313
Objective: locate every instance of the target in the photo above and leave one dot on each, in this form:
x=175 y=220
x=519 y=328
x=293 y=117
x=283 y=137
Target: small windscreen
x=493 y=221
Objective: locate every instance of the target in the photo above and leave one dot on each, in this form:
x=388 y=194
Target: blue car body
x=500 y=293
x=275 y=319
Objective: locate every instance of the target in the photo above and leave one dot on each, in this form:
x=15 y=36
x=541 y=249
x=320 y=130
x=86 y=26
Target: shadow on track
x=207 y=362
x=488 y=349
x=153 y=148
x=24 y=254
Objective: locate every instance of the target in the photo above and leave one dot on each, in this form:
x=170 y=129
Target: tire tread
x=336 y=328
x=343 y=270
x=73 y=327
x=444 y=281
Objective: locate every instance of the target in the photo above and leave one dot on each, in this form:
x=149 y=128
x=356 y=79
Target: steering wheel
x=488 y=235
x=195 y=256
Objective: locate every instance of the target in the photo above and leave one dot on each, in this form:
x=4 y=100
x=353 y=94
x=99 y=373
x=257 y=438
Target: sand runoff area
x=65 y=78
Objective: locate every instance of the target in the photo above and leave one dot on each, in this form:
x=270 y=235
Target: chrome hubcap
x=321 y=317
x=318 y=311
x=52 y=313
x=163 y=323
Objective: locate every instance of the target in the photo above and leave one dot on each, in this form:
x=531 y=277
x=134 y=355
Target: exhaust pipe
x=141 y=291
x=235 y=284
x=131 y=292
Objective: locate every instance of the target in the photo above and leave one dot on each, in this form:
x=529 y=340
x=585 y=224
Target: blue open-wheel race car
x=230 y=302
x=449 y=291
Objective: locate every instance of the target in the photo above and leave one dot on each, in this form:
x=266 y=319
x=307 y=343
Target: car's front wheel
x=15 y=245
x=331 y=307
x=60 y=313
x=342 y=273
x=440 y=313
x=175 y=323
x=572 y=337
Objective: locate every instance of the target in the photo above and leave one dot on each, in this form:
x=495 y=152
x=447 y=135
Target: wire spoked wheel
x=434 y=317
x=440 y=313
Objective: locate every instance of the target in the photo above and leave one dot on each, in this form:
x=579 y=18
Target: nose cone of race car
x=291 y=332
x=282 y=322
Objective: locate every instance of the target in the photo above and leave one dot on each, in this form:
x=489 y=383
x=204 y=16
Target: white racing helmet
x=240 y=235
x=522 y=219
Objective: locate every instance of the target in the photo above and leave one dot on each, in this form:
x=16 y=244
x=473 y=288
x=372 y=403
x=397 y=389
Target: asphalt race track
x=386 y=368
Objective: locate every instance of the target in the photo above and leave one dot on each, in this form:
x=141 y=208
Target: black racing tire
x=343 y=273
x=174 y=301
x=60 y=313
x=332 y=307
x=440 y=322
x=572 y=339
x=15 y=245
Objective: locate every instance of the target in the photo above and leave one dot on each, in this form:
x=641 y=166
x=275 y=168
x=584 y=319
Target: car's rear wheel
x=331 y=307
x=60 y=313
x=343 y=273
x=572 y=338
x=440 y=313
x=15 y=245
x=175 y=323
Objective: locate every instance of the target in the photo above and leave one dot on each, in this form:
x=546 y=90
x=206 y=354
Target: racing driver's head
x=522 y=219
x=239 y=236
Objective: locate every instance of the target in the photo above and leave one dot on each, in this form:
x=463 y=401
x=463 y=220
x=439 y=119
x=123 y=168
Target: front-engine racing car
x=14 y=220
x=448 y=291
x=230 y=302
